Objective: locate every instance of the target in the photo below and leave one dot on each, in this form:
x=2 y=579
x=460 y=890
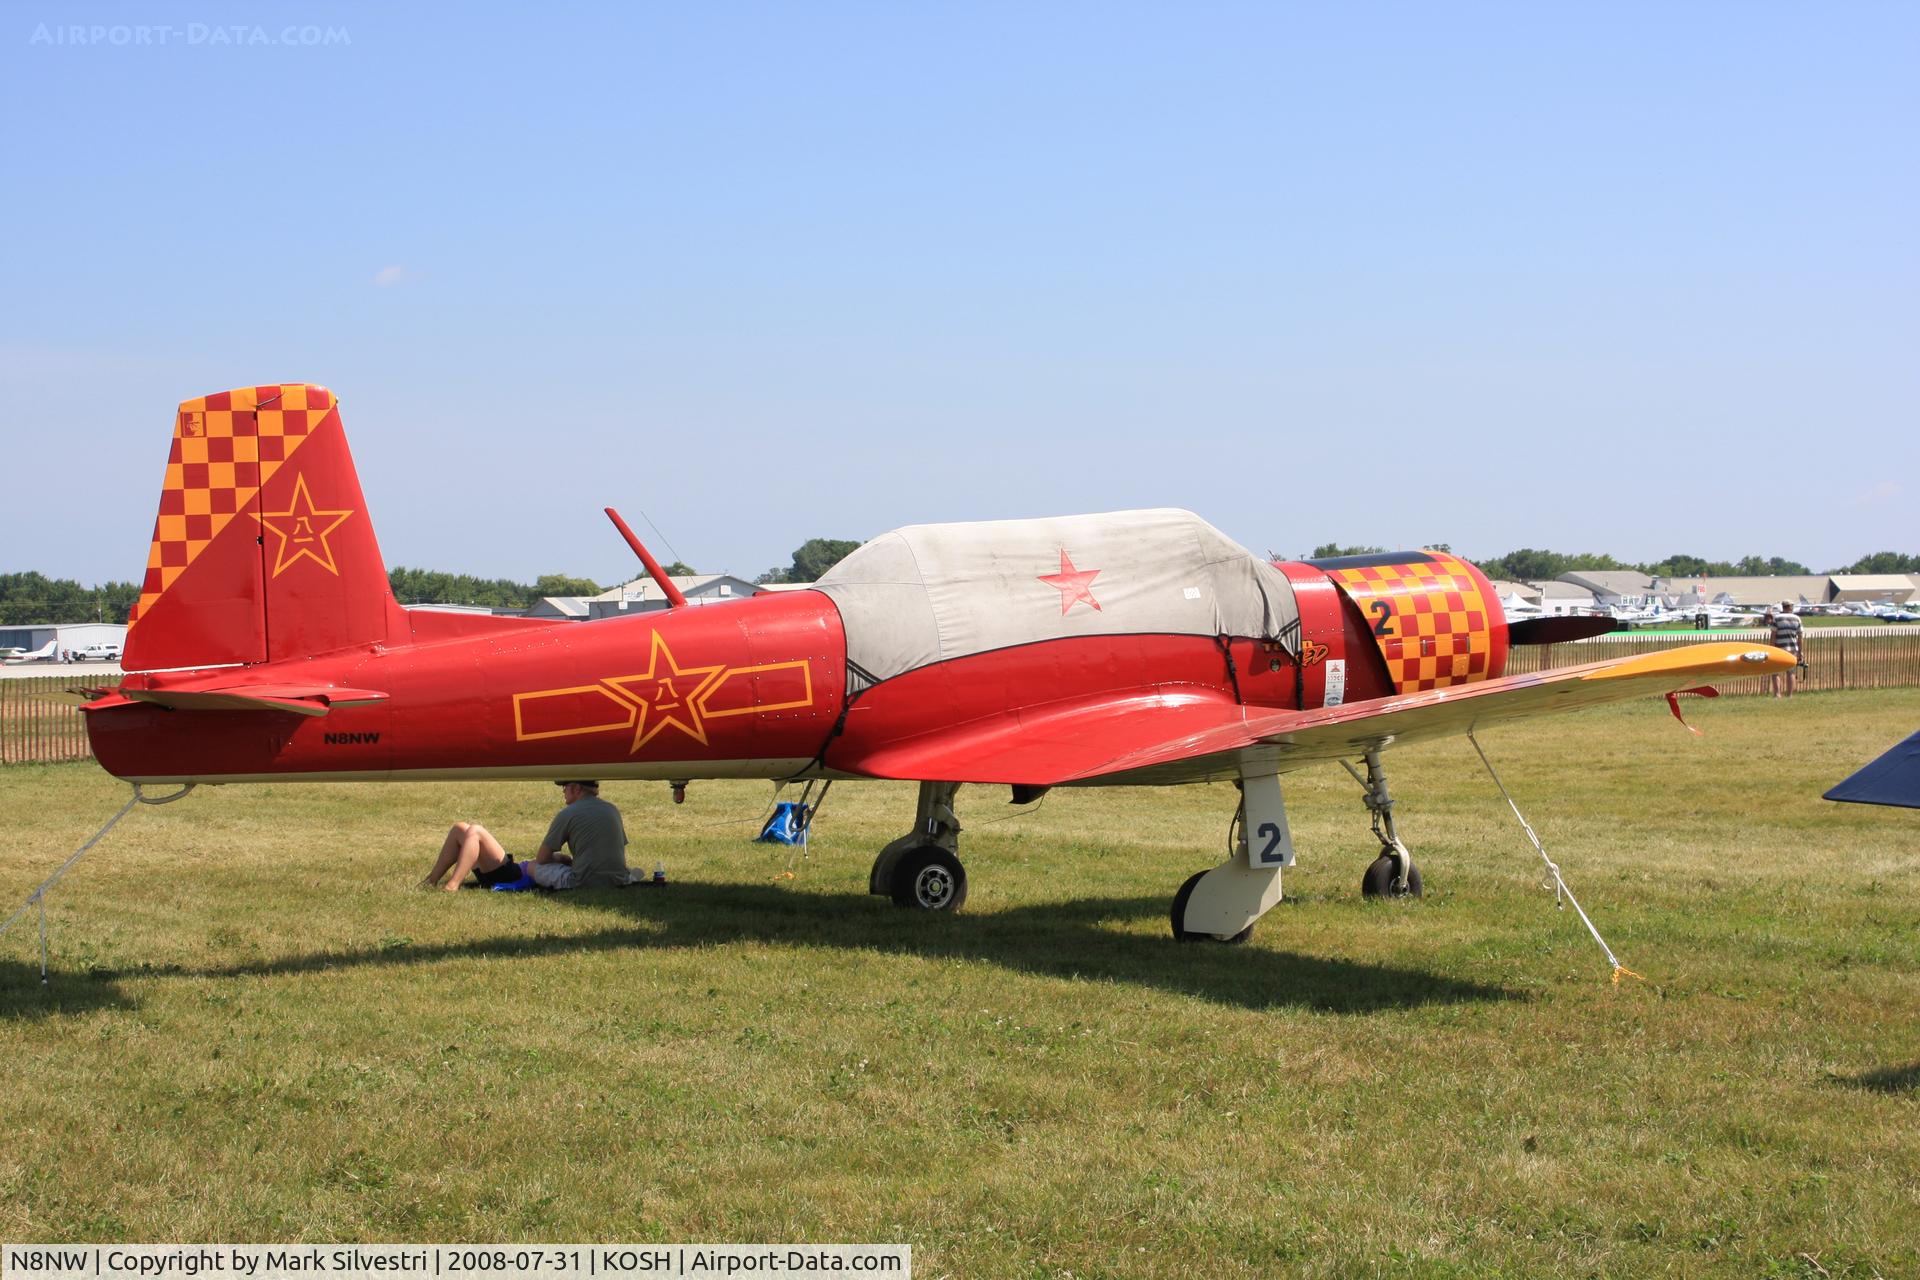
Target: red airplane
x=1133 y=648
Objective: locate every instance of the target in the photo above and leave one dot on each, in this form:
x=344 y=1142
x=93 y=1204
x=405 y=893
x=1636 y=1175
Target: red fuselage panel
x=990 y=697
x=759 y=680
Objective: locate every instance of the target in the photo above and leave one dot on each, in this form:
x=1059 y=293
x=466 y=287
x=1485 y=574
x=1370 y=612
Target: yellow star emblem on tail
x=303 y=530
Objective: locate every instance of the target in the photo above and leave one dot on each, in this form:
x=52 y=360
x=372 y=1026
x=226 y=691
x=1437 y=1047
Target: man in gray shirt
x=588 y=826
x=592 y=829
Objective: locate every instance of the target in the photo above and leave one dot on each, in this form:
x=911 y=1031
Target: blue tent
x=1893 y=778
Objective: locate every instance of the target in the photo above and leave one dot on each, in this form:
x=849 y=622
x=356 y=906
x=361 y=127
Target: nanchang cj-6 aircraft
x=1125 y=649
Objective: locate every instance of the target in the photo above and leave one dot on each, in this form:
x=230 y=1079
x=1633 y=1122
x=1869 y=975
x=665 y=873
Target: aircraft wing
x=1287 y=740
x=1162 y=738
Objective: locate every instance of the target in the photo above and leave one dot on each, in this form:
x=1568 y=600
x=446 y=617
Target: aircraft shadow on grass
x=1894 y=1080
x=1057 y=940
x=23 y=998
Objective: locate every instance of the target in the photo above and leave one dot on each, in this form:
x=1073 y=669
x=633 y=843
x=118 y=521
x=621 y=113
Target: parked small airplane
x=1517 y=608
x=1653 y=613
x=1881 y=611
x=1131 y=648
x=44 y=653
x=1725 y=615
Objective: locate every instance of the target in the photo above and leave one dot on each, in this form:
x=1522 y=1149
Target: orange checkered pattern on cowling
x=1430 y=616
x=225 y=447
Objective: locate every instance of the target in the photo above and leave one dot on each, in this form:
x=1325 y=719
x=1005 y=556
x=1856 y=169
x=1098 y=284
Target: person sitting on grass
x=589 y=826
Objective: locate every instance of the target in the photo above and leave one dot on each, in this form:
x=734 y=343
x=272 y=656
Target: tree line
x=31 y=598
x=1529 y=565
x=431 y=586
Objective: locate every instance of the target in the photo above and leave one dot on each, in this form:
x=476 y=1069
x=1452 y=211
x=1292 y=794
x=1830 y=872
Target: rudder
x=263 y=548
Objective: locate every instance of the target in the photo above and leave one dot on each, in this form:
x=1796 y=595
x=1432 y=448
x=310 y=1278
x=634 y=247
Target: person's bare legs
x=468 y=847
x=449 y=854
x=478 y=852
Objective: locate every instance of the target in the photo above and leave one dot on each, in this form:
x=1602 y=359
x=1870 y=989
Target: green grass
x=257 y=1030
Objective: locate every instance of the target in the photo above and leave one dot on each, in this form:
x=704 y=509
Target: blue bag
x=788 y=825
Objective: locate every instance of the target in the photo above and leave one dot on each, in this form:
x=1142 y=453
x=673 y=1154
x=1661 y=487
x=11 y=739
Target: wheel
x=930 y=879
x=1179 y=913
x=1378 y=881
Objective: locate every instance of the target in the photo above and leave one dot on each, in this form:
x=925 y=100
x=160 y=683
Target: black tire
x=1179 y=912
x=1378 y=881
x=929 y=879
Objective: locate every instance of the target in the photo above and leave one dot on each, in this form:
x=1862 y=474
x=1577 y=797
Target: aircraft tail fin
x=263 y=548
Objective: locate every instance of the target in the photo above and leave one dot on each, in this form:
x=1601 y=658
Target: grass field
x=259 y=1031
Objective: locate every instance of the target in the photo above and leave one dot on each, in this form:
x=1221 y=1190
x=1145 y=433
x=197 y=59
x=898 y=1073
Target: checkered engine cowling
x=1434 y=617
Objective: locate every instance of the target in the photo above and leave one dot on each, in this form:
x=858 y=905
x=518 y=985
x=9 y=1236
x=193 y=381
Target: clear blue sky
x=1631 y=278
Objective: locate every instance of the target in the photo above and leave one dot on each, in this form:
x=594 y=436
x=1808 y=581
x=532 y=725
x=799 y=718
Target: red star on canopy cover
x=1074 y=584
x=303 y=530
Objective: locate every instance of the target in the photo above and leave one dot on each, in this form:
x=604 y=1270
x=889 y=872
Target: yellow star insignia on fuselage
x=666 y=694
x=303 y=530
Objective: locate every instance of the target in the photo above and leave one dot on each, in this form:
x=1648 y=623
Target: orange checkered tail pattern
x=262 y=549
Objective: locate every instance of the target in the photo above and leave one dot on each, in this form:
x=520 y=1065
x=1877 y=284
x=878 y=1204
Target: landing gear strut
x=922 y=869
x=1222 y=904
x=1392 y=874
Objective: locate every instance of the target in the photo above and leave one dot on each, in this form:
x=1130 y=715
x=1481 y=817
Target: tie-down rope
x=39 y=896
x=1560 y=889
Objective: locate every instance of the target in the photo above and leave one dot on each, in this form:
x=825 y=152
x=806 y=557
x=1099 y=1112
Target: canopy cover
x=932 y=592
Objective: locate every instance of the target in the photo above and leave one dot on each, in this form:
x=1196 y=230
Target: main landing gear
x=922 y=869
x=1392 y=874
x=1221 y=905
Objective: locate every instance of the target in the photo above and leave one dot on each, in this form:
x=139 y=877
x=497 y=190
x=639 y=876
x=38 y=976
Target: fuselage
x=746 y=690
x=759 y=688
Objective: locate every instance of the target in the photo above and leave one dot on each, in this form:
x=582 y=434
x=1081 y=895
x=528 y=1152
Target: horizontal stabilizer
x=299 y=699
x=76 y=696
x=1558 y=630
